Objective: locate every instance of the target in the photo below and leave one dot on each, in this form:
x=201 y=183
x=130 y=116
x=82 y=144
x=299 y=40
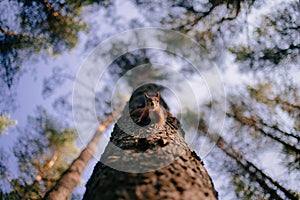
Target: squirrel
x=153 y=111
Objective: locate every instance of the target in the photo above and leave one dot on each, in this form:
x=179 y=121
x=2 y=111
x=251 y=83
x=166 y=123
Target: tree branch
x=14 y=34
x=252 y=123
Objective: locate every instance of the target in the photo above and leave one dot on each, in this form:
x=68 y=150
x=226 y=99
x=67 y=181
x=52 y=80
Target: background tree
x=255 y=127
x=71 y=177
x=43 y=152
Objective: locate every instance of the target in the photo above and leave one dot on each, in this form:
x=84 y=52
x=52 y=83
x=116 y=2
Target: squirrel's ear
x=146 y=95
x=157 y=95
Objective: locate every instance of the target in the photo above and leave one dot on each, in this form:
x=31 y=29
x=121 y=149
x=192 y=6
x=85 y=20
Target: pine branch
x=15 y=34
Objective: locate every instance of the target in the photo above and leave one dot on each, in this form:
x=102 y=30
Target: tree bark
x=71 y=177
x=149 y=163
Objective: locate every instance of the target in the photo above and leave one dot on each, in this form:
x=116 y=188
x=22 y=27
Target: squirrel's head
x=152 y=101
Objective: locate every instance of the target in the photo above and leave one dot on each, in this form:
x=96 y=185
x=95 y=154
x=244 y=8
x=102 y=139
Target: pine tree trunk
x=72 y=176
x=149 y=163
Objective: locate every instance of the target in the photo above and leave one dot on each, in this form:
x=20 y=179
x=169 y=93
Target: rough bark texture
x=149 y=163
x=72 y=176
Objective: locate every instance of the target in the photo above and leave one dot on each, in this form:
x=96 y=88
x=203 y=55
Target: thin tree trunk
x=71 y=177
x=253 y=123
x=150 y=163
x=46 y=167
x=275 y=127
x=263 y=179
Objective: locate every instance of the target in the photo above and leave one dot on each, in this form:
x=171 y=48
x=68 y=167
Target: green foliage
x=242 y=53
x=263 y=92
x=273 y=41
x=37 y=27
x=6 y=122
x=58 y=138
x=244 y=190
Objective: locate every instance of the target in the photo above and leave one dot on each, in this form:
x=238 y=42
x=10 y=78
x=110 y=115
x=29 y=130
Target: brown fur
x=153 y=111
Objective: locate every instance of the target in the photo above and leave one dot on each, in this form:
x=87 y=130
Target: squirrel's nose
x=152 y=104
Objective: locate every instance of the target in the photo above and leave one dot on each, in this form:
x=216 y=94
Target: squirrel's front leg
x=143 y=117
